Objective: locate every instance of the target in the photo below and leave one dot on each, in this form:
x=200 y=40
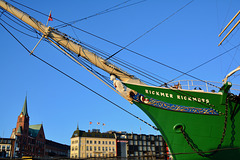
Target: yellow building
x=92 y=144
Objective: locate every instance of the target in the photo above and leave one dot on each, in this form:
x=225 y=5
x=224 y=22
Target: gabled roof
x=24 y=109
x=34 y=129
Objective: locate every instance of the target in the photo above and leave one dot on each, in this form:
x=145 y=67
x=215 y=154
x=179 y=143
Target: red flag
x=50 y=17
x=103 y=124
x=90 y=122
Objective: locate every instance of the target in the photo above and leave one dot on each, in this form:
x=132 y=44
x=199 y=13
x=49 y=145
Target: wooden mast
x=231 y=29
x=61 y=39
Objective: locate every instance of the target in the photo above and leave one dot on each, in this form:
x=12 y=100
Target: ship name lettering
x=168 y=95
x=207 y=100
x=193 y=99
x=162 y=94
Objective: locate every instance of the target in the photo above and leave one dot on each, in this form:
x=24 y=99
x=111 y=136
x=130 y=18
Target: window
x=95 y=148
x=112 y=142
x=109 y=142
x=135 y=137
x=72 y=142
x=102 y=148
x=102 y=142
x=99 y=142
x=139 y=142
x=106 y=142
x=130 y=142
x=99 y=148
x=113 y=148
x=148 y=148
x=144 y=148
x=72 y=148
x=152 y=138
x=135 y=142
x=110 y=149
x=95 y=142
x=87 y=148
x=160 y=138
x=90 y=148
x=75 y=148
x=153 y=148
x=87 y=141
x=144 y=142
x=140 y=148
x=90 y=142
x=106 y=148
x=135 y=153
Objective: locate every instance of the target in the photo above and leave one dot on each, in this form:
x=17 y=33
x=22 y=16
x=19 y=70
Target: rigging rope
x=76 y=80
x=183 y=72
x=17 y=29
x=153 y=60
x=186 y=73
x=99 y=13
x=120 y=62
x=177 y=91
x=2 y=12
x=149 y=30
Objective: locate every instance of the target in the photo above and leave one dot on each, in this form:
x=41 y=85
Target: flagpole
x=48 y=17
x=90 y=122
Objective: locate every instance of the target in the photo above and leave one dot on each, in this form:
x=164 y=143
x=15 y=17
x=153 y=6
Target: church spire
x=24 y=109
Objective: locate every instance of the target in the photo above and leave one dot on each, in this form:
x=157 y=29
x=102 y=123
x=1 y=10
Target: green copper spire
x=24 y=109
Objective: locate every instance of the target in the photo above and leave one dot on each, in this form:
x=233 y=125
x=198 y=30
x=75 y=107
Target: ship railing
x=204 y=86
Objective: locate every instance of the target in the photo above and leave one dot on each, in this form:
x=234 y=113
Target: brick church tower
x=30 y=139
x=23 y=122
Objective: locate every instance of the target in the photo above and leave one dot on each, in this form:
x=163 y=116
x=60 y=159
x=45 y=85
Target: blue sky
x=184 y=41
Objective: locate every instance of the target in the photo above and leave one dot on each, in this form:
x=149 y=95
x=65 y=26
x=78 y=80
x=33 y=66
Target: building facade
x=140 y=145
x=30 y=139
x=7 y=147
x=54 y=149
x=92 y=144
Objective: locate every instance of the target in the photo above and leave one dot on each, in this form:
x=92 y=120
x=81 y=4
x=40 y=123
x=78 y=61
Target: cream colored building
x=92 y=144
x=7 y=147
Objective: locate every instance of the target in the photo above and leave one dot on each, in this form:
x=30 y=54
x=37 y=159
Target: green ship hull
x=193 y=123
